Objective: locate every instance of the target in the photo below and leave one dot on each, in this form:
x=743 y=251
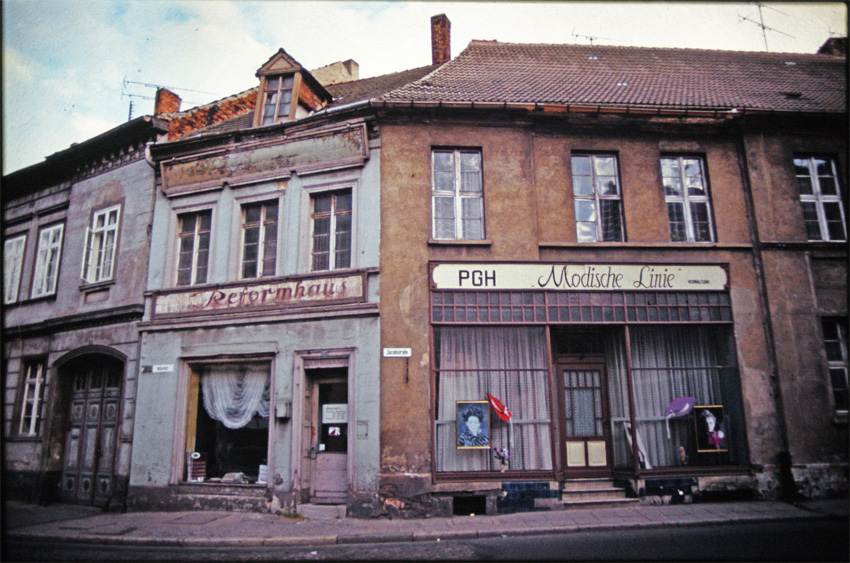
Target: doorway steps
x=587 y=493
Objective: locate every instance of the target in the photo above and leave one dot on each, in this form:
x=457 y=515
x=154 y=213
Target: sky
x=72 y=68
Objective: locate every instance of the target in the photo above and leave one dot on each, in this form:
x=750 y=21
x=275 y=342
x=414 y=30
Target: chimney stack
x=166 y=101
x=441 y=35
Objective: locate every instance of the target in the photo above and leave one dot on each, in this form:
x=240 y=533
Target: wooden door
x=586 y=448
x=329 y=423
x=90 y=442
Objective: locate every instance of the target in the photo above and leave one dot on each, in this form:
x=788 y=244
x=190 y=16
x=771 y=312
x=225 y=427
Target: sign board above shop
x=580 y=277
x=274 y=294
x=257 y=161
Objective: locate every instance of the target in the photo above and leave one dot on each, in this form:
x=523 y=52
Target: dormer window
x=277 y=97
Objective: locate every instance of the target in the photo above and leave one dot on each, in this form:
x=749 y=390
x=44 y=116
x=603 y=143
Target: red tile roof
x=490 y=71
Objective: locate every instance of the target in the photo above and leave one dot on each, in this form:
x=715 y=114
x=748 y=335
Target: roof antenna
x=126 y=93
x=760 y=23
x=590 y=38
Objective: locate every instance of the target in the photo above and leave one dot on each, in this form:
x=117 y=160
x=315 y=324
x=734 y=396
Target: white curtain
x=233 y=394
x=671 y=362
x=511 y=364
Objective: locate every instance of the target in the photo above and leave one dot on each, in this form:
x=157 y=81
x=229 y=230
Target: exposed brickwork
x=309 y=98
x=210 y=114
x=166 y=101
x=441 y=32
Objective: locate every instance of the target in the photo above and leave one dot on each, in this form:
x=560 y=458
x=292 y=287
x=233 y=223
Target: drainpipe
x=788 y=489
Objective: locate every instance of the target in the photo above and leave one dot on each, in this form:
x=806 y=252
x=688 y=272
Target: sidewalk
x=209 y=528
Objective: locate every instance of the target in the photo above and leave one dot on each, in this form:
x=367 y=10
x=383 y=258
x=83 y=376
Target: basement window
x=277 y=98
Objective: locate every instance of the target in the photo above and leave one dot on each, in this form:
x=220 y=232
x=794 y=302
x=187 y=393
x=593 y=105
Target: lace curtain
x=511 y=364
x=233 y=394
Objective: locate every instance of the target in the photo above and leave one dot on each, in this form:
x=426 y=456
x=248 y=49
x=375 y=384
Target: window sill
x=459 y=242
x=648 y=245
x=96 y=285
x=24 y=439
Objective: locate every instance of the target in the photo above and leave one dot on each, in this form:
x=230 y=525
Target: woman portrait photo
x=473 y=424
x=711 y=432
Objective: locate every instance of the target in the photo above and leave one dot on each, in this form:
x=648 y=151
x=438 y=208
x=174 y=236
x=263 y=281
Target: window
x=331 y=218
x=820 y=195
x=597 y=198
x=688 y=203
x=458 y=195
x=47 y=260
x=259 y=239
x=101 y=239
x=228 y=420
x=510 y=364
x=194 y=247
x=13 y=261
x=32 y=397
x=835 y=341
x=276 y=99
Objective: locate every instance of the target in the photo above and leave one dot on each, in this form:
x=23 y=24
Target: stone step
x=593 y=494
x=555 y=504
x=321 y=511
x=585 y=484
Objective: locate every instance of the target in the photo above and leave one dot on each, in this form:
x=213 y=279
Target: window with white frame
x=331 y=230
x=259 y=239
x=835 y=341
x=32 y=398
x=277 y=98
x=596 y=191
x=13 y=262
x=47 y=260
x=688 y=200
x=457 y=195
x=193 y=247
x=101 y=241
x=820 y=196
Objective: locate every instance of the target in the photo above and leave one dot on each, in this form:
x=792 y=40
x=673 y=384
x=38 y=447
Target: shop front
x=619 y=371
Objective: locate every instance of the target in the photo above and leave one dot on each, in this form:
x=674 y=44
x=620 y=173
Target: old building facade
x=646 y=267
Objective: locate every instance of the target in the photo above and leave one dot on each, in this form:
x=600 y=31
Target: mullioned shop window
x=555 y=307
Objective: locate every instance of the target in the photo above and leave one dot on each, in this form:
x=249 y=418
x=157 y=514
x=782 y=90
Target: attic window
x=592 y=58
x=622 y=83
x=277 y=95
x=791 y=95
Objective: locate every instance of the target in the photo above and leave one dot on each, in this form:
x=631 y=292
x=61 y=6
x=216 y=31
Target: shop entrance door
x=584 y=416
x=328 y=451
x=89 y=462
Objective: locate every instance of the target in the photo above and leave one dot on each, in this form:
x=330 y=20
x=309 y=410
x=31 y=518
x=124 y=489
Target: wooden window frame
x=13 y=267
x=48 y=257
x=818 y=198
x=97 y=266
x=687 y=200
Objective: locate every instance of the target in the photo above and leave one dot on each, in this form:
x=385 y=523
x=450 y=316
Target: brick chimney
x=166 y=101
x=441 y=39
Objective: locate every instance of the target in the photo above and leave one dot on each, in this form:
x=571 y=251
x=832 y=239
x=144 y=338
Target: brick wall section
x=210 y=114
x=166 y=101
x=441 y=33
x=309 y=98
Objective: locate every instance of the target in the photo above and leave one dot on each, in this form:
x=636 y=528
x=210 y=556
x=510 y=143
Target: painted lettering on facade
x=273 y=294
x=581 y=277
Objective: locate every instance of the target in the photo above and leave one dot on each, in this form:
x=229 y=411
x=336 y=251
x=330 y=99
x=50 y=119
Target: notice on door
x=335 y=413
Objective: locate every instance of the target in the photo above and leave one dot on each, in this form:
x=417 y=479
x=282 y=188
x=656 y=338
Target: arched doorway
x=88 y=466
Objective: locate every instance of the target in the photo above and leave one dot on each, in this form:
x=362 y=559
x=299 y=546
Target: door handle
x=314 y=450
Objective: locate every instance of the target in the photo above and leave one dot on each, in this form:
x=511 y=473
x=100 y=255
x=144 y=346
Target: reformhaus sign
x=580 y=277
x=276 y=294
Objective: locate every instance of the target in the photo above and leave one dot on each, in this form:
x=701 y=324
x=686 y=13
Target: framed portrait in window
x=710 y=425
x=473 y=425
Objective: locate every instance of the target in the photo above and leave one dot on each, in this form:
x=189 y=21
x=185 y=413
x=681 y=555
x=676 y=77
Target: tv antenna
x=125 y=92
x=760 y=23
x=590 y=38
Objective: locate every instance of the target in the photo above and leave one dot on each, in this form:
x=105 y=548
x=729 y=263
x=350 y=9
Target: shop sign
x=263 y=160
x=276 y=294
x=397 y=352
x=580 y=277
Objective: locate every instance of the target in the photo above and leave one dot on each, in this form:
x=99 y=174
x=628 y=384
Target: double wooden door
x=90 y=441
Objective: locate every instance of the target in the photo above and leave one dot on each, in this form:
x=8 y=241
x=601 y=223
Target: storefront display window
x=509 y=363
x=228 y=421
